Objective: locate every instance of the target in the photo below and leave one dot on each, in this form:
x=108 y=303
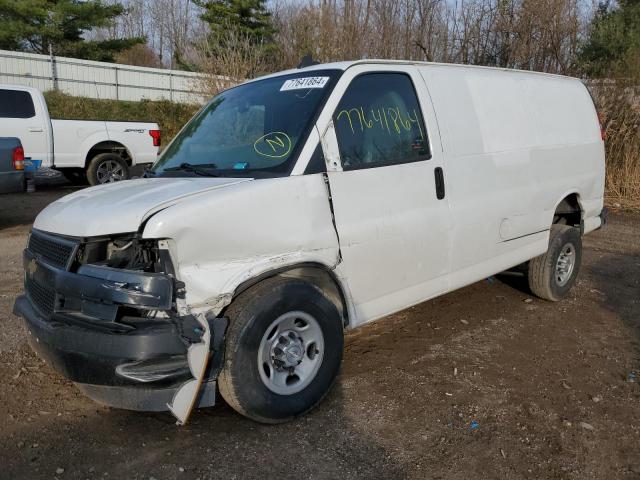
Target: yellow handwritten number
x=399 y=123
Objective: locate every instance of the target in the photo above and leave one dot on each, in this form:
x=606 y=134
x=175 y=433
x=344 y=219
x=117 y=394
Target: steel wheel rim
x=290 y=353
x=565 y=264
x=110 y=171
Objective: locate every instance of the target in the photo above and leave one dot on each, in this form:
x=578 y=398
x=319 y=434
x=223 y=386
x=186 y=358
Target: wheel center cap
x=293 y=353
x=287 y=350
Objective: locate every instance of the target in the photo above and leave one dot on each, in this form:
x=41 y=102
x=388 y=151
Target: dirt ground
x=486 y=382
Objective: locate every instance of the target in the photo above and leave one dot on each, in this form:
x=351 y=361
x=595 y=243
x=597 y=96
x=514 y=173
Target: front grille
x=54 y=250
x=42 y=297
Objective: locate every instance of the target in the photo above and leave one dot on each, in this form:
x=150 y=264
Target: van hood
x=121 y=207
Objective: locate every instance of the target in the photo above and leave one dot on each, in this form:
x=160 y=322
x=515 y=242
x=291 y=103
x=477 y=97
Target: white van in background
x=96 y=150
x=297 y=205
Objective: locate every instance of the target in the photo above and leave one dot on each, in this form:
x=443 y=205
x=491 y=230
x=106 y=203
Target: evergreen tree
x=249 y=18
x=613 y=46
x=33 y=25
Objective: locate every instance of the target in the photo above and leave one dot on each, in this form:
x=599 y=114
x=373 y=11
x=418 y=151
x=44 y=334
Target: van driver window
x=378 y=122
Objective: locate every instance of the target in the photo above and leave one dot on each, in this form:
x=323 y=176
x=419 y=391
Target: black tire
x=544 y=280
x=77 y=176
x=94 y=174
x=251 y=314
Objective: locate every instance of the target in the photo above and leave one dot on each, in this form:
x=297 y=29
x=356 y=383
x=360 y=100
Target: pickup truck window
x=251 y=130
x=16 y=104
x=378 y=122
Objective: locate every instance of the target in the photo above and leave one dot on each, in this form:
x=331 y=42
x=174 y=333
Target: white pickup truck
x=96 y=150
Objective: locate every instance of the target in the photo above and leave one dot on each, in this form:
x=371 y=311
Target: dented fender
x=222 y=238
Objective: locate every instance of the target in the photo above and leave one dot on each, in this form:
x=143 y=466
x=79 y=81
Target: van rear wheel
x=552 y=274
x=107 y=168
x=284 y=350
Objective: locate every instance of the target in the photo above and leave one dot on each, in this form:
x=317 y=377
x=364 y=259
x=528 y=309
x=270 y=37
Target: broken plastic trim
x=199 y=356
x=105 y=284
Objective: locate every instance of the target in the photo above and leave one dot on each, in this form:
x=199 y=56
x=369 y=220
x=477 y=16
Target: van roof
x=346 y=65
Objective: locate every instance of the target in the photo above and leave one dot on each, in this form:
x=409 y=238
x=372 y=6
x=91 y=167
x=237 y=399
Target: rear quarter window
x=16 y=104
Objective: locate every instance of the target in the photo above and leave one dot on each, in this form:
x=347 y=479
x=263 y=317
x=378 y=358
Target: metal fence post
x=117 y=84
x=54 y=73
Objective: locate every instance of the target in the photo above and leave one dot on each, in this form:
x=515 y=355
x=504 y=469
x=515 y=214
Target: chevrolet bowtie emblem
x=31 y=267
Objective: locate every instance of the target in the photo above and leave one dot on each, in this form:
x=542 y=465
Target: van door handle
x=439 y=183
x=35 y=129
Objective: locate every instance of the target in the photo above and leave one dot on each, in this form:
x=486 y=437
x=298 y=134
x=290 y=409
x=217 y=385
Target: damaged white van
x=301 y=204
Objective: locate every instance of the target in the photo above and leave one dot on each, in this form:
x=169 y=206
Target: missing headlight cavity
x=127 y=252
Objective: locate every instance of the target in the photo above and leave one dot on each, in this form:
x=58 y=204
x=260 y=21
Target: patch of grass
x=170 y=116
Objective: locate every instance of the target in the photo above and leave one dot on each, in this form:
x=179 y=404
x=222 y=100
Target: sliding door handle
x=439 y=183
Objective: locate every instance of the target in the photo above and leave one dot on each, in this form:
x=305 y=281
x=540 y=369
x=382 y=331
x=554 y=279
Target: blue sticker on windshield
x=241 y=166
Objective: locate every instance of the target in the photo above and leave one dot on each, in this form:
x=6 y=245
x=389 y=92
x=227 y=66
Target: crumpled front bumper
x=121 y=360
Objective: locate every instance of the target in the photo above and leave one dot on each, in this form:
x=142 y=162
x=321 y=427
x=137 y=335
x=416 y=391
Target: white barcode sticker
x=304 y=83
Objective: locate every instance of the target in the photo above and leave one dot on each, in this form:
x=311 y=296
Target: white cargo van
x=301 y=204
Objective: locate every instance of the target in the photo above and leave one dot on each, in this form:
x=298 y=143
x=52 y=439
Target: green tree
x=33 y=25
x=249 y=18
x=613 y=45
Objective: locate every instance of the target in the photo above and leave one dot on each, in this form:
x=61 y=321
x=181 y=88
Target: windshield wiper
x=200 y=169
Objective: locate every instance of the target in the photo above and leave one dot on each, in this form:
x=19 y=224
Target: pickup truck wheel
x=284 y=350
x=107 y=168
x=553 y=274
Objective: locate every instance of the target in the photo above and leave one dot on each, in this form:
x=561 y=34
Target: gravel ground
x=486 y=382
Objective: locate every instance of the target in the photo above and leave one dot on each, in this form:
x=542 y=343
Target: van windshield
x=254 y=129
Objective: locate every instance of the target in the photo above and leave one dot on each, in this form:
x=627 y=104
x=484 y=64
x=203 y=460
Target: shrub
x=619 y=109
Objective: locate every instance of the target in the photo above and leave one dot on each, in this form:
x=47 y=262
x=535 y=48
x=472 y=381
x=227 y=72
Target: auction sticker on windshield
x=304 y=83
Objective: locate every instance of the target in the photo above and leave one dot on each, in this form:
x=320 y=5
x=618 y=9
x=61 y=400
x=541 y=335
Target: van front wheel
x=552 y=274
x=284 y=350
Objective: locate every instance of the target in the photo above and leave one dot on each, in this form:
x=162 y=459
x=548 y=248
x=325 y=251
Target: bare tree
x=170 y=26
x=531 y=34
x=225 y=67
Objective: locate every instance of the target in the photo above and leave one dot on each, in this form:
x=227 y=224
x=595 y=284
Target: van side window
x=378 y=122
x=16 y=104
